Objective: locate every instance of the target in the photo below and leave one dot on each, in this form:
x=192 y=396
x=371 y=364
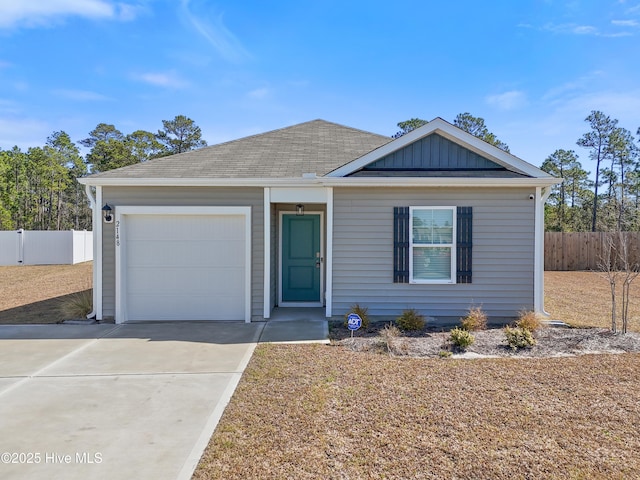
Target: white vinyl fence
x=41 y=247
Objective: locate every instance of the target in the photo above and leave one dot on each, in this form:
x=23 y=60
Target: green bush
x=361 y=311
x=411 y=320
x=475 y=320
x=528 y=320
x=519 y=337
x=461 y=338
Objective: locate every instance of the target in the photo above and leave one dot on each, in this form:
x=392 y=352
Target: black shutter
x=464 y=244
x=400 y=244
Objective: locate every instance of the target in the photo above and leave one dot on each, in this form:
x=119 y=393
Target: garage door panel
x=179 y=227
x=185 y=267
x=157 y=307
x=184 y=281
x=213 y=253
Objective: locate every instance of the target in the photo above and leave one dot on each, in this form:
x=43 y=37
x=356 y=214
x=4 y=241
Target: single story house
x=321 y=215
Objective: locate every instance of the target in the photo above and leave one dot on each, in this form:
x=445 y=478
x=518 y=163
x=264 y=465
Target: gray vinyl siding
x=434 y=152
x=186 y=196
x=503 y=252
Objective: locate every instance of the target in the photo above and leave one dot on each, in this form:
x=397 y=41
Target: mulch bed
x=434 y=342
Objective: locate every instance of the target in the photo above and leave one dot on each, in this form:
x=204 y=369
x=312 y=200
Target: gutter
x=434 y=182
x=94 y=204
x=542 y=194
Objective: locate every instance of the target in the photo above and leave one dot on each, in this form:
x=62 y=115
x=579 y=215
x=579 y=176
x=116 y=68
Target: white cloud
x=575 y=29
x=625 y=23
x=579 y=84
x=507 y=100
x=634 y=9
x=80 y=95
x=259 y=93
x=25 y=132
x=33 y=13
x=8 y=106
x=571 y=28
x=162 y=79
x=621 y=105
x=216 y=33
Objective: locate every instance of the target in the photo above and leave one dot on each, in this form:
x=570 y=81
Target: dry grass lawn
x=32 y=294
x=319 y=412
x=584 y=299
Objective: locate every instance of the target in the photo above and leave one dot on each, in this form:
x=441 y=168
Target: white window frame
x=452 y=246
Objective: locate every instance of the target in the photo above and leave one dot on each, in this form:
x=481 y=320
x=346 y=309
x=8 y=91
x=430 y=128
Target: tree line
x=39 y=191
x=609 y=202
x=38 y=187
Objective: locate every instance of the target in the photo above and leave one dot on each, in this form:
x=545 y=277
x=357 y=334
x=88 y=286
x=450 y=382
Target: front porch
x=298 y=232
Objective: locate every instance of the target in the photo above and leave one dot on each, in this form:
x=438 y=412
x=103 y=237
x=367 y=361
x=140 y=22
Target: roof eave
x=323 y=182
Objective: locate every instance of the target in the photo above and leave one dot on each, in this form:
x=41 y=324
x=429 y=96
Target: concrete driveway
x=115 y=401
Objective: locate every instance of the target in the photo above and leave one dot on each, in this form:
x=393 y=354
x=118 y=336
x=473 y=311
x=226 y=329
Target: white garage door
x=184 y=267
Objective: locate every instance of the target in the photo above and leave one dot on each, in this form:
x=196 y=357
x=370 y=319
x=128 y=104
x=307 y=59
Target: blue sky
x=534 y=69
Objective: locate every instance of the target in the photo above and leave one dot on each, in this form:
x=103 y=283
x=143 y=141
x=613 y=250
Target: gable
x=434 y=155
x=514 y=167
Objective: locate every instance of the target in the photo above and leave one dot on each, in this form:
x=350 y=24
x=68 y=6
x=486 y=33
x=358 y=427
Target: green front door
x=301 y=258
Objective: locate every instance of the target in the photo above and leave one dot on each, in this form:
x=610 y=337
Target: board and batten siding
x=186 y=196
x=434 y=152
x=503 y=252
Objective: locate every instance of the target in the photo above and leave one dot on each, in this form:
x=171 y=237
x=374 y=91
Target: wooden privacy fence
x=583 y=250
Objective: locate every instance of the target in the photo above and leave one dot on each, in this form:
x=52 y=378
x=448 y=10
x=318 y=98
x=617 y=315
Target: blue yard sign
x=354 y=322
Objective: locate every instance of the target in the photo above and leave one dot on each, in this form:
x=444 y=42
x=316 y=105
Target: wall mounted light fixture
x=299 y=209
x=107 y=214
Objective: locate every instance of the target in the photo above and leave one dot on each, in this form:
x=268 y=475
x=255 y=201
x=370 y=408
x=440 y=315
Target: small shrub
x=519 y=337
x=444 y=353
x=528 y=320
x=475 y=320
x=461 y=338
x=411 y=320
x=362 y=312
x=77 y=305
x=389 y=340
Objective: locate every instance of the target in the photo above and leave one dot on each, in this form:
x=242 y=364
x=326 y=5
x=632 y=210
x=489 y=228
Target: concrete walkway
x=121 y=401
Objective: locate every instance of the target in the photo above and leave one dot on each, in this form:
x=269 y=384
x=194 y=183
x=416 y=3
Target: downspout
x=97 y=254
x=542 y=194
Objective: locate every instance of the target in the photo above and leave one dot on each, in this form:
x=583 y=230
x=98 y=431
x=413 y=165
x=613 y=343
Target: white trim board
x=121 y=212
x=326 y=182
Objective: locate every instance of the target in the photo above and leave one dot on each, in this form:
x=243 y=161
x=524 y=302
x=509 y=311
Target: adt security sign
x=354 y=322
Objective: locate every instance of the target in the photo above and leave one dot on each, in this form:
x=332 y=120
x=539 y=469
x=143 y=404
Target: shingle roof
x=316 y=147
